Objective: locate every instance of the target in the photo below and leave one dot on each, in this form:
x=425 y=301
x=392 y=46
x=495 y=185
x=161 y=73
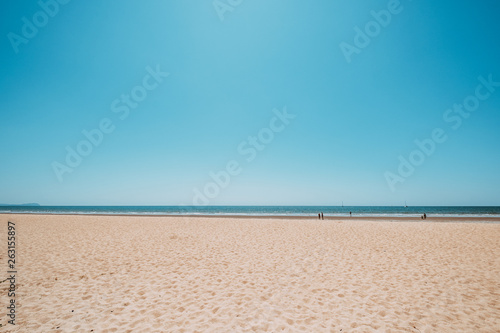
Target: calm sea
x=392 y=211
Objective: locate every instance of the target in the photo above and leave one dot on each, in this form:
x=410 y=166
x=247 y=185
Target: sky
x=239 y=102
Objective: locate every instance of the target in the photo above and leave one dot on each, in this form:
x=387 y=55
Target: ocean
x=379 y=211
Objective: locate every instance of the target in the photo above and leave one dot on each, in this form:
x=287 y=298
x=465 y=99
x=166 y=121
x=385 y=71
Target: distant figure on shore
x=319 y=216
x=322 y=216
x=425 y=216
x=350 y=214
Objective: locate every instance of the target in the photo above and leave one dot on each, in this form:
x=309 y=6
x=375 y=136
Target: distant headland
x=25 y=204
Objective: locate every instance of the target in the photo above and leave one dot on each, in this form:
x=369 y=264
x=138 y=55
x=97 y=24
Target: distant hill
x=26 y=204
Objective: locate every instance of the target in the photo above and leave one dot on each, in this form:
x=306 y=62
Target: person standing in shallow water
x=350 y=214
x=322 y=216
x=319 y=216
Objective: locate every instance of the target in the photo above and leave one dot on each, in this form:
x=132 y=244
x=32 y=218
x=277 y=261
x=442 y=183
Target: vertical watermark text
x=11 y=272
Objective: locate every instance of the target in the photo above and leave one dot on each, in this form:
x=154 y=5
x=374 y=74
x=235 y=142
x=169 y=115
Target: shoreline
x=472 y=219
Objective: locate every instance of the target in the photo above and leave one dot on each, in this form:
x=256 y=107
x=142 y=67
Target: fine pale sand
x=188 y=274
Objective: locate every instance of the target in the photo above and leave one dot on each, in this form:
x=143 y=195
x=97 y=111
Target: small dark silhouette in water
x=322 y=216
x=350 y=214
x=319 y=216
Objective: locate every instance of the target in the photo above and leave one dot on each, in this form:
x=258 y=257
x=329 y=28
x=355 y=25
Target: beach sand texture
x=187 y=274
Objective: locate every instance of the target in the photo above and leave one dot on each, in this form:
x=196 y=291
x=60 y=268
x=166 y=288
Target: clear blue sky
x=352 y=119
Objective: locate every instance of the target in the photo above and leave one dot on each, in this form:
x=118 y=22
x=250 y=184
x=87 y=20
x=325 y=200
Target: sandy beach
x=199 y=274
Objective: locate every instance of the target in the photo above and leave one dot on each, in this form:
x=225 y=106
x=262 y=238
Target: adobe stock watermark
x=248 y=150
x=454 y=116
x=30 y=27
x=223 y=6
x=372 y=29
x=121 y=106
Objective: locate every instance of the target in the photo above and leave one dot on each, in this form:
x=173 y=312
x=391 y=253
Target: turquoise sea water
x=390 y=211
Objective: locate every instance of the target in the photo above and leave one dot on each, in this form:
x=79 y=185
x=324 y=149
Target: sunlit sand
x=187 y=274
